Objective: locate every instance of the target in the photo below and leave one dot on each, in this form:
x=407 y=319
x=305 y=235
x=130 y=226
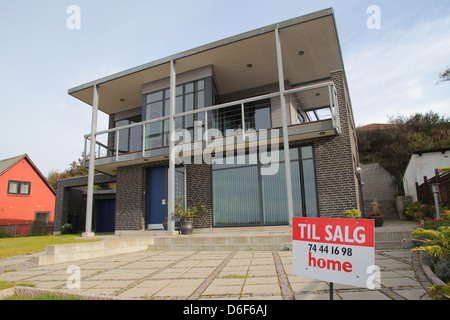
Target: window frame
x=19 y=188
x=306 y=210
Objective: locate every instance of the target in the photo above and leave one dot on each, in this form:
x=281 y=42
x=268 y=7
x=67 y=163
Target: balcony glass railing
x=306 y=104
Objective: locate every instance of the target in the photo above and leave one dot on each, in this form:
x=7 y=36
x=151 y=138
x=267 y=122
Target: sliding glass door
x=243 y=196
x=236 y=198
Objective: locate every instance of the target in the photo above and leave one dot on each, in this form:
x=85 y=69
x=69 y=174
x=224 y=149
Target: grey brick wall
x=130 y=198
x=198 y=181
x=379 y=186
x=63 y=195
x=336 y=161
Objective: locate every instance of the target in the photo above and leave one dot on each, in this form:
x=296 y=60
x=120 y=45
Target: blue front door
x=106 y=211
x=156 y=196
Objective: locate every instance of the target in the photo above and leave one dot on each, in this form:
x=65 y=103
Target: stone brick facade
x=379 y=186
x=68 y=201
x=130 y=198
x=336 y=160
x=199 y=188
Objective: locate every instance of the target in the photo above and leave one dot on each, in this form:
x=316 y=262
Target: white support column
x=285 y=129
x=90 y=192
x=171 y=175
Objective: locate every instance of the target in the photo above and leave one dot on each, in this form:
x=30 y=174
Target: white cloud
x=397 y=72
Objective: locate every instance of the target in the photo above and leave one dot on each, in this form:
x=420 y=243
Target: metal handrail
x=333 y=107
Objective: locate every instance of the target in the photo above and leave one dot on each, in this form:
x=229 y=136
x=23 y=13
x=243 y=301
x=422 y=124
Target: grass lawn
x=10 y=247
x=48 y=296
x=7 y=285
x=45 y=297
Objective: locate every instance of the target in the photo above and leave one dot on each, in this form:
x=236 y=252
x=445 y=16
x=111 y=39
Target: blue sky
x=390 y=71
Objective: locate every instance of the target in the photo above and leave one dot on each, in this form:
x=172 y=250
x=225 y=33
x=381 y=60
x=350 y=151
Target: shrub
x=436 y=249
x=440 y=292
x=419 y=211
x=434 y=224
x=67 y=228
x=354 y=213
x=412 y=210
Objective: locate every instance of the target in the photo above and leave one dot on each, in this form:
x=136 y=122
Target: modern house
x=26 y=199
x=258 y=126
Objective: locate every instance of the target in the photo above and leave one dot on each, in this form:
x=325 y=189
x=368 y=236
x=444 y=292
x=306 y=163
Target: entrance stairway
x=264 y=238
x=394 y=234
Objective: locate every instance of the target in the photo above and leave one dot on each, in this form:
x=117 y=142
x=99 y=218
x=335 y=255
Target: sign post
x=334 y=250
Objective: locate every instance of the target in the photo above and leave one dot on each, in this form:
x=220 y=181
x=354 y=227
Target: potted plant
x=164 y=223
x=378 y=217
x=187 y=215
x=352 y=214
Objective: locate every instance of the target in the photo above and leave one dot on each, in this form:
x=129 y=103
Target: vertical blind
x=243 y=196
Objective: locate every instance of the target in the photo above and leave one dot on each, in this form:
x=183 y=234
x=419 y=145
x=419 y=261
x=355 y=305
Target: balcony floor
x=299 y=132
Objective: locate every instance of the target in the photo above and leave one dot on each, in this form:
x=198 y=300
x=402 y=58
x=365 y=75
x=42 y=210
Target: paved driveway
x=201 y=275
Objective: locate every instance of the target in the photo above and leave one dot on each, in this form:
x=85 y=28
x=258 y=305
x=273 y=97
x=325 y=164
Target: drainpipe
x=90 y=192
x=285 y=130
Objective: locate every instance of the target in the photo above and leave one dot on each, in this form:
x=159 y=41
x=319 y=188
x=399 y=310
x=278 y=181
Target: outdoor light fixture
x=435 y=190
x=301 y=52
x=122 y=99
x=249 y=66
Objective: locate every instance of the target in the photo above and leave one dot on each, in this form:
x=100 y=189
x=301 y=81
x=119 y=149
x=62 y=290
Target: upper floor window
x=190 y=96
x=19 y=187
x=130 y=139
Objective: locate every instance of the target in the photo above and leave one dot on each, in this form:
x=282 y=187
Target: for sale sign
x=334 y=250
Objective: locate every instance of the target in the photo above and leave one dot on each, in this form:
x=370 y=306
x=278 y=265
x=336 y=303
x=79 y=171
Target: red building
x=26 y=198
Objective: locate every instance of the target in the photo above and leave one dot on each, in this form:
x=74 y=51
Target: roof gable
x=7 y=164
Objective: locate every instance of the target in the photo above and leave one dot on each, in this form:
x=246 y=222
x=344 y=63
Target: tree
x=392 y=146
x=76 y=169
x=444 y=76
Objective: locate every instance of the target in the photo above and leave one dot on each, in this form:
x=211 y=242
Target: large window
x=256 y=116
x=189 y=96
x=130 y=139
x=242 y=195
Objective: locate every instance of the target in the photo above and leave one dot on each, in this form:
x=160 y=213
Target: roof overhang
x=310 y=51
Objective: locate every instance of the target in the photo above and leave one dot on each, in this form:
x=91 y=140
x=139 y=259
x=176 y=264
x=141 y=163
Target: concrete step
x=225 y=239
x=391 y=236
x=88 y=250
x=253 y=241
x=221 y=247
x=395 y=244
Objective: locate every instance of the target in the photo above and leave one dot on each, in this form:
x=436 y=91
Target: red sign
x=334 y=250
x=355 y=232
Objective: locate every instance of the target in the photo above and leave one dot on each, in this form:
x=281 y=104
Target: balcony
x=312 y=112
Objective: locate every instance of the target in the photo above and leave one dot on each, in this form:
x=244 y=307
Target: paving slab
x=365 y=295
x=244 y=275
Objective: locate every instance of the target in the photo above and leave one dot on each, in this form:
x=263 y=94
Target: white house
x=423 y=164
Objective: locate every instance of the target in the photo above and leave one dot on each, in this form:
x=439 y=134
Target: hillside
x=392 y=144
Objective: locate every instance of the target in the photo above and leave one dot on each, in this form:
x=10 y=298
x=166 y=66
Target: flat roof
x=310 y=51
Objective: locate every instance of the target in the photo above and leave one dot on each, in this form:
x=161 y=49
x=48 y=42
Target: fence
x=425 y=193
x=21 y=230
